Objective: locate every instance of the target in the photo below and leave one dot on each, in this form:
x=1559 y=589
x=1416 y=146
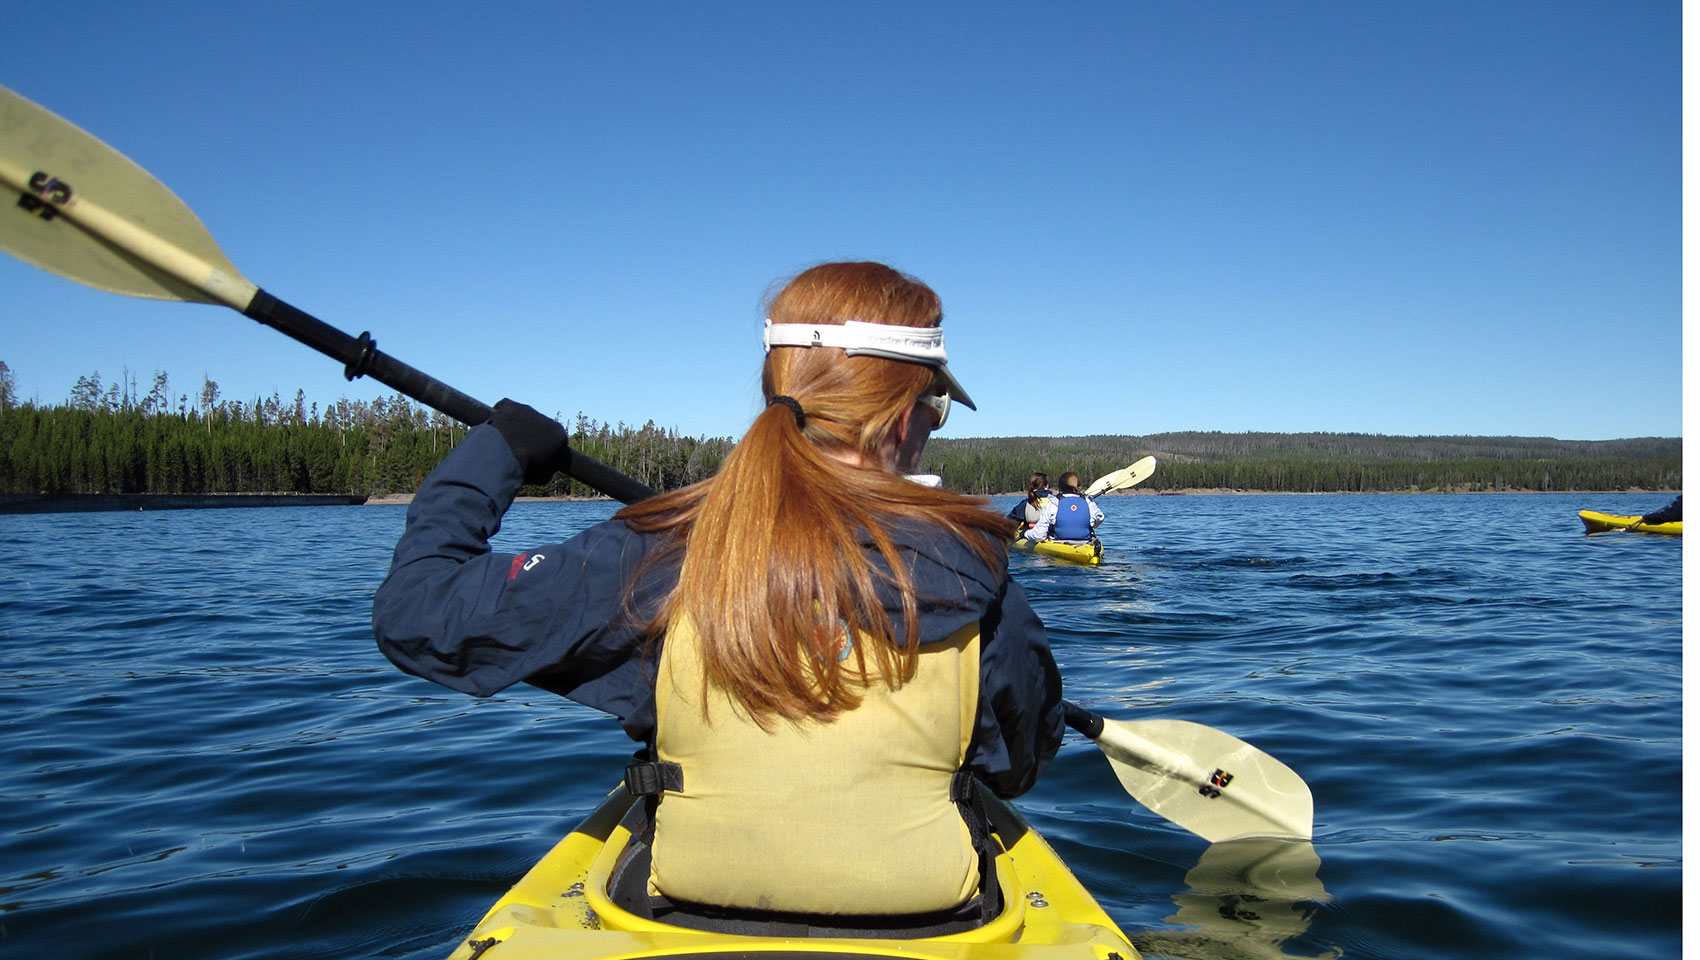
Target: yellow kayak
x=573 y=905
x=1073 y=551
x=1595 y=522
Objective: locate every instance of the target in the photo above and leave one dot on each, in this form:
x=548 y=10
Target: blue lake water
x=202 y=754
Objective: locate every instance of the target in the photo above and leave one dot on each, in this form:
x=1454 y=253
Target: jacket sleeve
x=1020 y=724
x=1666 y=514
x=453 y=612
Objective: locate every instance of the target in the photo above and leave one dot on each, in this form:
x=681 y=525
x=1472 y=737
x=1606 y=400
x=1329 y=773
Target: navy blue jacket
x=559 y=616
x=1669 y=513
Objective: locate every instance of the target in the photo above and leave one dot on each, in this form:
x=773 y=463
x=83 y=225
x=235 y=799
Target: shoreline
x=407 y=498
x=403 y=499
x=28 y=503
x=1233 y=492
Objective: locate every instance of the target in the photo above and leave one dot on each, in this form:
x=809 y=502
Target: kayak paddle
x=1134 y=473
x=1199 y=778
x=88 y=213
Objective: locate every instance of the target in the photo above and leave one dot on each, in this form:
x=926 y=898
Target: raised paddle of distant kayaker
x=1068 y=516
x=823 y=656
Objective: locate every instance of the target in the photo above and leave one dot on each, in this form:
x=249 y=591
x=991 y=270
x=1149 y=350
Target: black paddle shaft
x=1080 y=719
x=361 y=357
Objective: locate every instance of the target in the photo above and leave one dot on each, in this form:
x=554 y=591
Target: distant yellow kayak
x=1090 y=552
x=1602 y=522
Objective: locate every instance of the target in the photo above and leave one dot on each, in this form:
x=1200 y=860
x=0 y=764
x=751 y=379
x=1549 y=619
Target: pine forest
x=112 y=438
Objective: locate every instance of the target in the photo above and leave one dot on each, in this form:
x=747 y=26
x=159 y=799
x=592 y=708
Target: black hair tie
x=796 y=408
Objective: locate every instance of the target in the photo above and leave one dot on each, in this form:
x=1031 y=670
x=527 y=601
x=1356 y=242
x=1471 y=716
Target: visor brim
x=954 y=387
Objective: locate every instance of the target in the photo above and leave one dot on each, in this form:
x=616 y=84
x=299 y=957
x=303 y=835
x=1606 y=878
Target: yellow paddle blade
x=76 y=207
x=1134 y=473
x=1244 y=899
x=1206 y=781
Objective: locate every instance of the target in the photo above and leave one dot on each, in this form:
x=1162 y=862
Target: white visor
x=923 y=345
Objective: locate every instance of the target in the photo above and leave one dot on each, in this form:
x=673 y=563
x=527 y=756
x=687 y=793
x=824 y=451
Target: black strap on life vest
x=965 y=793
x=650 y=778
x=648 y=775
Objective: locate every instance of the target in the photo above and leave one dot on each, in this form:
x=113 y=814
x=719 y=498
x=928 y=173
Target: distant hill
x=1215 y=445
x=1318 y=462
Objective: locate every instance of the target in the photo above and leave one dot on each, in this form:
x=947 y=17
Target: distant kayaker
x=1067 y=516
x=1027 y=511
x=823 y=657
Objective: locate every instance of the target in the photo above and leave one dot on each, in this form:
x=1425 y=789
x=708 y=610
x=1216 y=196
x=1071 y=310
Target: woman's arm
x=475 y=621
x=1020 y=722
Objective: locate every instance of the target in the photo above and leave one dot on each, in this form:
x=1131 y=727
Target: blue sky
x=1401 y=218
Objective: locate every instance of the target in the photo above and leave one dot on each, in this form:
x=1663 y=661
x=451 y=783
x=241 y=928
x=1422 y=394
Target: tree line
x=112 y=437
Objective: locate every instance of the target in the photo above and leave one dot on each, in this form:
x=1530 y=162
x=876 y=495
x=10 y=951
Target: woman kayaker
x=1069 y=515
x=1026 y=513
x=824 y=655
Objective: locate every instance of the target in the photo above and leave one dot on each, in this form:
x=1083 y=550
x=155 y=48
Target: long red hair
x=774 y=577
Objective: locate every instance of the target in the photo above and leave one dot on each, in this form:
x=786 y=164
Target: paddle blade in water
x=76 y=207
x=1213 y=784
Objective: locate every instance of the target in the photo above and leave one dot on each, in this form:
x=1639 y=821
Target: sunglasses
x=939 y=403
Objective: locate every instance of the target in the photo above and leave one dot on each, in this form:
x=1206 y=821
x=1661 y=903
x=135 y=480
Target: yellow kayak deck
x=1089 y=552
x=561 y=910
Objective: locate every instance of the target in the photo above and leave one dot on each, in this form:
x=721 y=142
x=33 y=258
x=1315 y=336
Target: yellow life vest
x=849 y=817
